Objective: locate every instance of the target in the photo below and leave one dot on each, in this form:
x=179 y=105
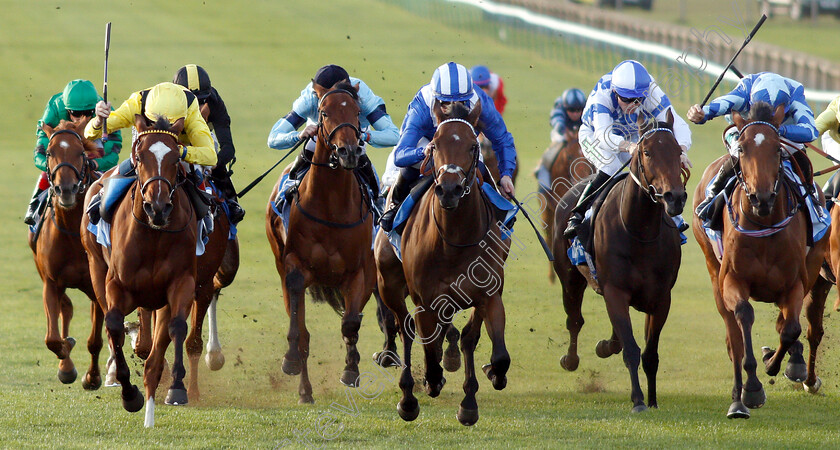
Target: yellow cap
x=167 y=100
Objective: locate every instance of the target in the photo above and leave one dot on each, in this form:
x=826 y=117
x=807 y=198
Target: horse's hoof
x=408 y=414
x=70 y=342
x=306 y=399
x=499 y=382
x=753 y=399
x=796 y=372
x=737 y=410
x=214 y=360
x=639 y=408
x=434 y=390
x=815 y=388
x=91 y=383
x=176 y=397
x=350 y=378
x=766 y=354
x=384 y=359
x=67 y=377
x=570 y=362
x=135 y=401
x=603 y=349
x=467 y=417
x=452 y=359
x=291 y=367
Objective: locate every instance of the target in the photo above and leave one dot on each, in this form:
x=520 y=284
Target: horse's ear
x=437 y=111
x=319 y=90
x=356 y=88
x=47 y=129
x=140 y=123
x=643 y=122
x=92 y=150
x=178 y=126
x=475 y=114
x=779 y=116
x=738 y=120
x=669 y=118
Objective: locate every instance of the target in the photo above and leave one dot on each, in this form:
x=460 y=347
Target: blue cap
x=480 y=75
x=630 y=79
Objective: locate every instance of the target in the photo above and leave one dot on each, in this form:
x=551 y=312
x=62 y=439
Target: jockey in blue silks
x=451 y=83
x=567 y=111
x=609 y=134
x=377 y=127
x=797 y=128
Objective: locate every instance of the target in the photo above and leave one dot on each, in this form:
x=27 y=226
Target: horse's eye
x=646 y=153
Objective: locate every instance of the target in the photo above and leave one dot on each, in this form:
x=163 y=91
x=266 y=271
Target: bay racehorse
x=568 y=168
x=327 y=246
x=637 y=255
x=57 y=247
x=151 y=263
x=452 y=259
x=765 y=256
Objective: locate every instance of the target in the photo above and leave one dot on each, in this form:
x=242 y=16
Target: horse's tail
x=330 y=295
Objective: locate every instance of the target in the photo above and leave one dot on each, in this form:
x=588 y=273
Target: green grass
x=259 y=55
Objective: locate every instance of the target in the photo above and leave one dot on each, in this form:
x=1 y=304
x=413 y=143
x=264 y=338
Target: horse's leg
x=789 y=310
x=432 y=334
x=153 y=368
x=548 y=219
x=131 y=397
x=92 y=379
x=608 y=347
x=650 y=357
x=180 y=295
x=618 y=308
x=143 y=342
x=468 y=410
x=814 y=309
x=752 y=394
x=389 y=327
x=572 y=300
x=58 y=344
x=354 y=293
x=194 y=342
x=494 y=321
x=452 y=356
x=293 y=296
x=214 y=358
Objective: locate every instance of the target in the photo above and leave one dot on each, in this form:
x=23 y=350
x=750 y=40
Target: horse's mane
x=90 y=147
x=347 y=87
x=162 y=123
x=458 y=111
x=762 y=111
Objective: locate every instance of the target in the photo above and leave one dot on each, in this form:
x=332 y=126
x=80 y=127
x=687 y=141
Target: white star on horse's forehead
x=456 y=137
x=759 y=138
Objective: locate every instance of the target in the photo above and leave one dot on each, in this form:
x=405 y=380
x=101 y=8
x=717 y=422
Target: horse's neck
x=639 y=213
x=464 y=224
x=326 y=180
x=69 y=218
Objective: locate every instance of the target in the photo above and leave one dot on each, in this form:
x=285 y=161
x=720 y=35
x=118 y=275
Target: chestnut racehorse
x=151 y=263
x=451 y=239
x=327 y=246
x=637 y=255
x=568 y=168
x=765 y=257
x=59 y=256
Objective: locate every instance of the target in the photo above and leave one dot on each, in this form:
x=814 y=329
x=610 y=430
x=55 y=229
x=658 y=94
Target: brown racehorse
x=59 y=256
x=568 y=169
x=637 y=256
x=327 y=247
x=777 y=268
x=449 y=238
x=151 y=263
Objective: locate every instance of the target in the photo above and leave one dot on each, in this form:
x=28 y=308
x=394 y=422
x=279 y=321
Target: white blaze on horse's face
x=759 y=138
x=159 y=149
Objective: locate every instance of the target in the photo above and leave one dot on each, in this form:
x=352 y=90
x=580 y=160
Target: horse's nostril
x=147 y=207
x=438 y=190
x=458 y=191
x=167 y=208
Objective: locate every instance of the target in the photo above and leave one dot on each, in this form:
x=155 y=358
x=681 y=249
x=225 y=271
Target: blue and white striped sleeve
x=803 y=128
x=736 y=100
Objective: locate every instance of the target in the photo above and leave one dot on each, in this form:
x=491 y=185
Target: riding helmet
x=80 y=95
x=630 y=79
x=452 y=82
x=573 y=98
x=329 y=75
x=194 y=78
x=770 y=88
x=480 y=75
x=167 y=100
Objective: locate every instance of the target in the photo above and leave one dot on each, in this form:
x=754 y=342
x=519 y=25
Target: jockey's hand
x=686 y=163
x=428 y=149
x=103 y=110
x=205 y=111
x=507 y=186
x=309 y=131
x=627 y=147
x=695 y=114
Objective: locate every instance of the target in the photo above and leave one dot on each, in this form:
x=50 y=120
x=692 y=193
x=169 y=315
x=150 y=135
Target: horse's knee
x=744 y=312
x=350 y=328
x=790 y=333
x=650 y=361
x=574 y=323
x=632 y=355
x=177 y=328
x=295 y=282
x=114 y=322
x=194 y=345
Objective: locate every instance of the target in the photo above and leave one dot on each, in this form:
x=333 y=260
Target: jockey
x=568 y=109
x=76 y=104
x=377 y=127
x=491 y=83
x=797 y=128
x=213 y=109
x=609 y=134
x=451 y=83
x=829 y=120
x=168 y=101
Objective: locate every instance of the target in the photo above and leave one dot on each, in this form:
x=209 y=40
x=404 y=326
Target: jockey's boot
x=727 y=171
x=583 y=204
x=368 y=174
x=223 y=182
x=31 y=216
x=401 y=190
x=298 y=166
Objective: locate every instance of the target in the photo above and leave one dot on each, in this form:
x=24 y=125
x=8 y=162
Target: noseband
x=81 y=175
x=333 y=164
x=467 y=176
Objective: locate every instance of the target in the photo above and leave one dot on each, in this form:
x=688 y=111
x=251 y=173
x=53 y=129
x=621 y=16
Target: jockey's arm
x=827 y=120
x=725 y=104
x=220 y=119
x=382 y=131
x=284 y=133
x=201 y=150
x=803 y=129
x=415 y=126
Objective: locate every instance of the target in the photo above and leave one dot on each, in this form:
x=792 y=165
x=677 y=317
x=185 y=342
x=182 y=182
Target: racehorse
x=636 y=253
x=567 y=169
x=327 y=246
x=451 y=239
x=59 y=256
x=764 y=256
x=151 y=263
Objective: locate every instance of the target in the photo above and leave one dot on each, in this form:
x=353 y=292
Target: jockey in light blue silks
x=377 y=127
x=451 y=83
x=797 y=128
x=610 y=132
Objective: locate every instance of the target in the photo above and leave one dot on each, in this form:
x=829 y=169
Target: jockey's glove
x=686 y=163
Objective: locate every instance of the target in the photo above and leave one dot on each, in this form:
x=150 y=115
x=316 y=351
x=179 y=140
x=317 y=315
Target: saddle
x=585 y=231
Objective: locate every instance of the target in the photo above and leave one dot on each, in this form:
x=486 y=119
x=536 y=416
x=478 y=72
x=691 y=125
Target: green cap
x=80 y=95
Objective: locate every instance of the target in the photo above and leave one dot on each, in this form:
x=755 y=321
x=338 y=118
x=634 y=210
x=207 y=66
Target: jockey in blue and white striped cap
x=451 y=82
x=631 y=80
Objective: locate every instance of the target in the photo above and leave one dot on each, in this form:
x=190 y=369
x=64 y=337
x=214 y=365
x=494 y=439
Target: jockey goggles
x=80 y=113
x=631 y=99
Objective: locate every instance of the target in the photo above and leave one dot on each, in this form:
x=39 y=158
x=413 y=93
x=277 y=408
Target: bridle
x=642 y=179
x=468 y=177
x=740 y=176
x=149 y=181
x=82 y=175
x=328 y=137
